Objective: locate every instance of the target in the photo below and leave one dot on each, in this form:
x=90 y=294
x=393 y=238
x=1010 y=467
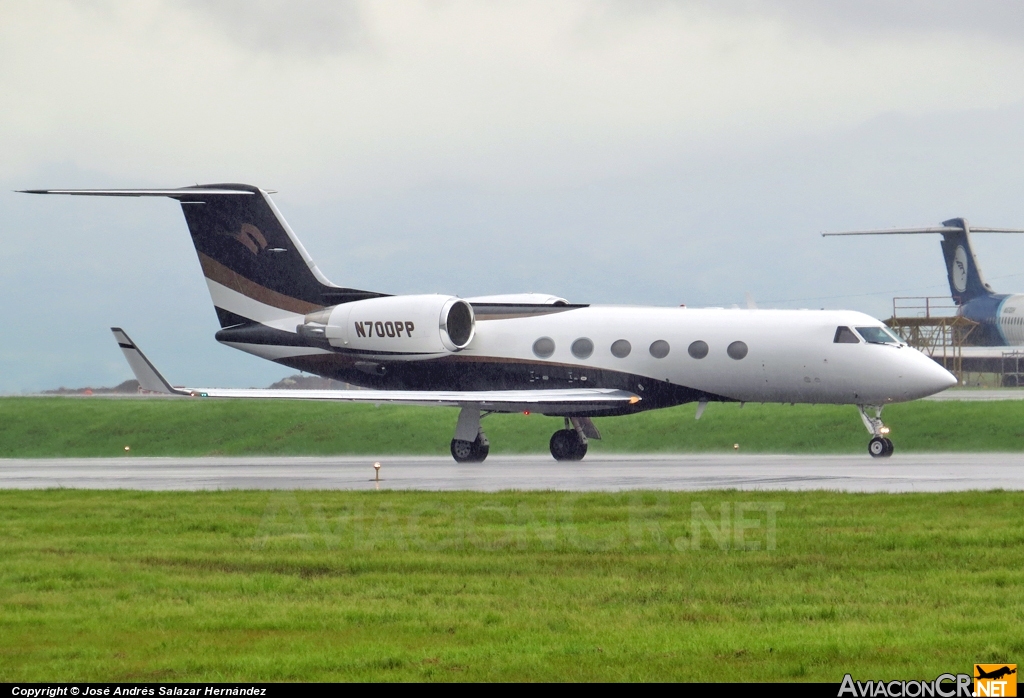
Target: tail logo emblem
x=252 y=238
x=958 y=272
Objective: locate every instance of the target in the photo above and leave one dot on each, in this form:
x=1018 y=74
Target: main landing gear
x=571 y=443
x=470 y=444
x=880 y=446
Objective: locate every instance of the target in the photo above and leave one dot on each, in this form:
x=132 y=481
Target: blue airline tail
x=965 y=280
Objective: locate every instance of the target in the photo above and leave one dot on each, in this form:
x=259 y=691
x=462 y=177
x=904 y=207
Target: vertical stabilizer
x=255 y=267
x=962 y=270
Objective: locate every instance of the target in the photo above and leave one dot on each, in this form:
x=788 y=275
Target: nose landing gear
x=880 y=445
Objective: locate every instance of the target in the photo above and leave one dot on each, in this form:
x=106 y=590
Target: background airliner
x=1000 y=316
x=520 y=352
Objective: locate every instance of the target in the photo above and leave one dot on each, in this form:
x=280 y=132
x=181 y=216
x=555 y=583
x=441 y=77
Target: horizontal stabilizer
x=940 y=229
x=184 y=191
x=567 y=400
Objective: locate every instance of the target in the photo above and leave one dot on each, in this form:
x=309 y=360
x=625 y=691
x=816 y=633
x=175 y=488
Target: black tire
x=481 y=448
x=462 y=451
x=878 y=448
x=566 y=445
x=889 y=447
x=560 y=446
x=470 y=451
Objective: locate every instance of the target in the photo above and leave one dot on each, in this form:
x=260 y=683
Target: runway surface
x=901 y=473
x=978 y=395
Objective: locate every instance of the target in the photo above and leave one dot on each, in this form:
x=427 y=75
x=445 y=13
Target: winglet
x=145 y=372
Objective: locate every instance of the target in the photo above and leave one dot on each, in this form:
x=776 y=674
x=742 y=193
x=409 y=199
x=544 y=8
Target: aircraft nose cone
x=926 y=377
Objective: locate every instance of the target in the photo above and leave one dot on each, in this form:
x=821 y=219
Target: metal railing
x=1012 y=369
x=924 y=306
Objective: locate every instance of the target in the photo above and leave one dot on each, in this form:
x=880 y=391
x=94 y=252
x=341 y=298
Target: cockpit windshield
x=878 y=335
x=844 y=335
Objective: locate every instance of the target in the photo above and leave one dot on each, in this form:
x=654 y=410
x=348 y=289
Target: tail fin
x=255 y=267
x=965 y=280
x=962 y=270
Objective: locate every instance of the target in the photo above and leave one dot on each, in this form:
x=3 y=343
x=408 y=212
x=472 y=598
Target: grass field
x=257 y=586
x=37 y=427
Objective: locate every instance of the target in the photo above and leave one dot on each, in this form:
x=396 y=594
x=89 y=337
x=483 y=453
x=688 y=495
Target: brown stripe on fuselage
x=476 y=359
x=341 y=358
x=236 y=282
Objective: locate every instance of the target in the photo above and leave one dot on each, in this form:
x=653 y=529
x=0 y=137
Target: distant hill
x=129 y=387
x=303 y=382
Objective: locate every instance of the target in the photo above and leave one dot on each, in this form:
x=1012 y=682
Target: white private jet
x=521 y=352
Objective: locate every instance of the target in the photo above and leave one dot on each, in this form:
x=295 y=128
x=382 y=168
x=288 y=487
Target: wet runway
x=856 y=473
x=977 y=395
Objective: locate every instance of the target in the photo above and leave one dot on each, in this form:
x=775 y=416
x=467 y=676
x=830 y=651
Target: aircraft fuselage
x=666 y=355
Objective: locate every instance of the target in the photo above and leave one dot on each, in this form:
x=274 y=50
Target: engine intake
x=457 y=324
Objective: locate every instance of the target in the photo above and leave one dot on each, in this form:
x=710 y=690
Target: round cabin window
x=582 y=348
x=659 y=349
x=621 y=348
x=737 y=350
x=544 y=347
x=698 y=349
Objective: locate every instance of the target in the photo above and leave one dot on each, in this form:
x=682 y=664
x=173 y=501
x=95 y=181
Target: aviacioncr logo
x=251 y=237
x=959 y=271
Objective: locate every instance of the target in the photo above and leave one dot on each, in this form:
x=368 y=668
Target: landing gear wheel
x=566 y=444
x=880 y=447
x=470 y=451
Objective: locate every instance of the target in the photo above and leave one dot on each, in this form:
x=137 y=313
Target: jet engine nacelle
x=427 y=324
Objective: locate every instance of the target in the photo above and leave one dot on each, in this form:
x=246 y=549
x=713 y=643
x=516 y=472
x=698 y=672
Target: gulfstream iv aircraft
x=517 y=353
x=1000 y=315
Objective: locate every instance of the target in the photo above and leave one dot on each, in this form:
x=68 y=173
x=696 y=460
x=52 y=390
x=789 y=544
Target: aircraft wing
x=558 y=400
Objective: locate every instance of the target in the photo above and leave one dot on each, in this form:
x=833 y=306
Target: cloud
x=305 y=28
x=841 y=19
x=367 y=95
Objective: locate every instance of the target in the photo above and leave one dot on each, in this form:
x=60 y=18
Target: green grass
x=38 y=427
x=323 y=586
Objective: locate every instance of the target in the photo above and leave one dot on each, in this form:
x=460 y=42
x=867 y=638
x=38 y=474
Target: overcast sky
x=643 y=151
